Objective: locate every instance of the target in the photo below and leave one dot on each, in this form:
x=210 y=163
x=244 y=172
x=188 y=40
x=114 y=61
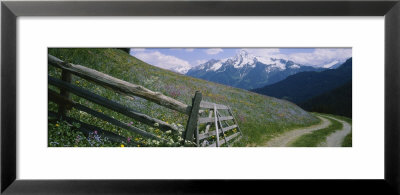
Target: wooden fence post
x=65 y=76
x=216 y=125
x=193 y=117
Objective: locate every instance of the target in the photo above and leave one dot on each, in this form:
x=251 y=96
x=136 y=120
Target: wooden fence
x=225 y=125
x=194 y=112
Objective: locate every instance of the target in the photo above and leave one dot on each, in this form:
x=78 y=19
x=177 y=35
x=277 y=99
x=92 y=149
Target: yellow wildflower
x=122 y=145
x=57 y=125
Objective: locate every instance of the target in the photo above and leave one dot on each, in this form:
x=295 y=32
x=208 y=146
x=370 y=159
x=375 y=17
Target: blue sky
x=169 y=57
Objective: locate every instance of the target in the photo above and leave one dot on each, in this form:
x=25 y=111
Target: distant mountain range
x=248 y=71
x=327 y=91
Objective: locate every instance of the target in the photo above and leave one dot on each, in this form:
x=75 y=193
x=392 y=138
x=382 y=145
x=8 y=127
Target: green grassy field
x=259 y=117
x=348 y=141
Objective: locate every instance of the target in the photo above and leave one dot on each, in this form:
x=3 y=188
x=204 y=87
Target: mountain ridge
x=248 y=71
x=300 y=87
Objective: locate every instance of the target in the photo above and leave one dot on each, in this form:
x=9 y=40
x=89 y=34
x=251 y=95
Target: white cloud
x=330 y=64
x=135 y=50
x=198 y=62
x=164 y=61
x=214 y=51
x=263 y=52
x=182 y=49
x=267 y=52
x=321 y=57
x=138 y=49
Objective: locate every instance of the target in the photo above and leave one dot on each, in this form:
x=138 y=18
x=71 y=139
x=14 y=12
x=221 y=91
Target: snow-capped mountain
x=248 y=71
x=181 y=68
x=333 y=65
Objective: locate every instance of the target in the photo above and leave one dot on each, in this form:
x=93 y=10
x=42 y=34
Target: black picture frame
x=10 y=10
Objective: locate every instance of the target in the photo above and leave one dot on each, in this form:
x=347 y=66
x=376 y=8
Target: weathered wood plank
x=229 y=128
x=206 y=120
x=220 y=124
x=211 y=133
x=216 y=125
x=120 y=86
x=105 y=117
x=225 y=122
x=87 y=128
x=232 y=136
x=234 y=120
x=206 y=135
x=225 y=118
x=117 y=123
x=196 y=135
x=227 y=140
x=208 y=125
x=58 y=99
x=191 y=126
x=209 y=120
x=111 y=105
x=65 y=76
x=210 y=105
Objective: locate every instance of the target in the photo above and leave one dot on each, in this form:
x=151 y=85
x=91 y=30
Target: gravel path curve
x=336 y=138
x=284 y=139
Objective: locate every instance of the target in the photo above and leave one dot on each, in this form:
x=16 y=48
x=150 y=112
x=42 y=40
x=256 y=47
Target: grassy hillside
x=259 y=117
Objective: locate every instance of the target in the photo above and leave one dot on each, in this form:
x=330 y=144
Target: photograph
x=141 y=94
x=200 y=97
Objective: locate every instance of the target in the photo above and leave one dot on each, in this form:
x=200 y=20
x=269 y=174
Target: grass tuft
x=348 y=140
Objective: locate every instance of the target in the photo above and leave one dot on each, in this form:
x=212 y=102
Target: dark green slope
x=338 y=101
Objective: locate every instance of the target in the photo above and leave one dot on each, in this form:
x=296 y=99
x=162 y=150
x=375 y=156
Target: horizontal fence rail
x=226 y=140
x=55 y=97
x=208 y=120
x=209 y=105
x=120 y=86
x=111 y=105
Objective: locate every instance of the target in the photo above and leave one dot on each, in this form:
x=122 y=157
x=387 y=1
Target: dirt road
x=286 y=138
x=336 y=138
